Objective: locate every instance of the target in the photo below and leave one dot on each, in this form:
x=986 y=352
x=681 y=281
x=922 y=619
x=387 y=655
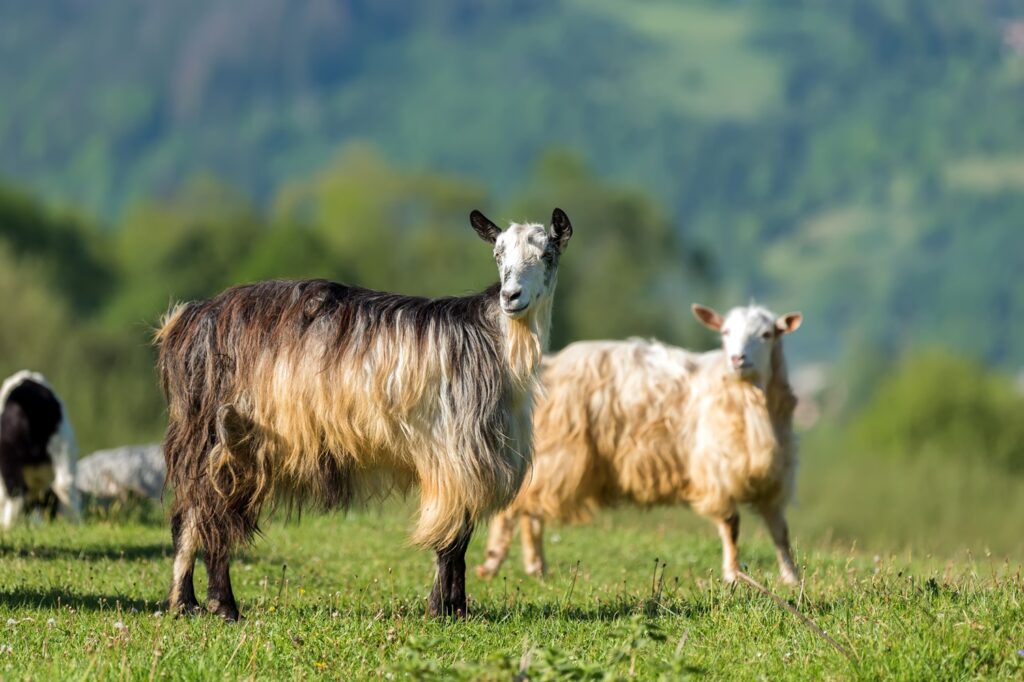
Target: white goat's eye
x=766 y=335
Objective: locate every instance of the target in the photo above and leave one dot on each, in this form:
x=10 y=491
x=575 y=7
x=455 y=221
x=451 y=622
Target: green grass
x=85 y=602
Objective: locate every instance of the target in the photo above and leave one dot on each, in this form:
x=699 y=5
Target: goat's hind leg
x=448 y=598
x=533 y=545
x=220 y=599
x=499 y=538
x=779 y=529
x=185 y=536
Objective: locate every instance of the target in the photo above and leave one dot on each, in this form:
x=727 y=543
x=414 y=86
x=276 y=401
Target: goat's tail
x=208 y=439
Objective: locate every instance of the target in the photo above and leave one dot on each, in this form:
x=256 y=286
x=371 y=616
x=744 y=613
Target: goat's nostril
x=738 y=360
x=513 y=296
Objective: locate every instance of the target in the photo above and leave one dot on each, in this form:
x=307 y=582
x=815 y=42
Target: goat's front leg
x=729 y=532
x=11 y=511
x=12 y=492
x=448 y=598
x=777 y=526
x=499 y=537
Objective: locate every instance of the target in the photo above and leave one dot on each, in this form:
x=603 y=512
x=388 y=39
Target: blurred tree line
x=858 y=159
x=82 y=299
x=861 y=160
x=934 y=405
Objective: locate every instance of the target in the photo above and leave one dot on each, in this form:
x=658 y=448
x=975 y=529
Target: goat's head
x=749 y=335
x=527 y=257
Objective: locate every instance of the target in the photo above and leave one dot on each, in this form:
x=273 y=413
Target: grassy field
x=344 y=597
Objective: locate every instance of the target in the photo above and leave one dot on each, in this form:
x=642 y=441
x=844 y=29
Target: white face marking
x=519 y=252
x=748 y=336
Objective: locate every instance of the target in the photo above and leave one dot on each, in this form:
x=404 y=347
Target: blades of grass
x=803 y=619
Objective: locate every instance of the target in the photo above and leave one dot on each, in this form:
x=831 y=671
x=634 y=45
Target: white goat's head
x=527 y=258
x=749 y=335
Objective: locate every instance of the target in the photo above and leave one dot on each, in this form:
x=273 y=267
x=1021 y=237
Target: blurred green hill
x=862 y=160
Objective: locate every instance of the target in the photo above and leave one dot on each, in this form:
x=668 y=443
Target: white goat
x=642 y=422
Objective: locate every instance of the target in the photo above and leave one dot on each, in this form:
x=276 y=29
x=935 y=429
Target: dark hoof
x=228 y=612
x=456 y=611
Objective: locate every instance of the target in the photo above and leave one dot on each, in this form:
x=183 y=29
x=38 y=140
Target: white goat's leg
x=779 y=529
x=63 y=456
x=499 y=537
x=11 y=511
x=66 y=491
x=729 y=532
x=532 y=529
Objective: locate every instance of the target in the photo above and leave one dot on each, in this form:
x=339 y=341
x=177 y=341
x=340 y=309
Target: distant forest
x=860 y=160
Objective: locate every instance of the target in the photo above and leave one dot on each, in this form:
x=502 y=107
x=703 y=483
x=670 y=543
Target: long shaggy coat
x=646 y=423
x=313 y=390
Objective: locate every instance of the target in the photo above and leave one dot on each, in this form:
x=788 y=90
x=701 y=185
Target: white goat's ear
x=561 y=229
x=707 y=317
x=487 y=230
x=789 y=323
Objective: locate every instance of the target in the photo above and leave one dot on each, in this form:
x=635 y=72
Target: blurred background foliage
x=860 y=160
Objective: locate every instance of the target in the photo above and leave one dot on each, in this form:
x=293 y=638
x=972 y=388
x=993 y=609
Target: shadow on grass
x=94 y=553
x=149 y=552
x=29 y=598
x=604 y=612
x=497 y=613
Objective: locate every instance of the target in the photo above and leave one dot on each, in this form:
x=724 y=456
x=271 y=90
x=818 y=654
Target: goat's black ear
x=707 y=317
x=561 y=228
x=487 y=230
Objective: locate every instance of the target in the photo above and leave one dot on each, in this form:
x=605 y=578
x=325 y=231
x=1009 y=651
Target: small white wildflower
x=12 y=621
x=6 y=649
x=51 y=621
x=120 y=626
x=157 y=614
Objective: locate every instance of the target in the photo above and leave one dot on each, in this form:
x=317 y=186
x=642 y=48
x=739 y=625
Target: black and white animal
x=37 y=450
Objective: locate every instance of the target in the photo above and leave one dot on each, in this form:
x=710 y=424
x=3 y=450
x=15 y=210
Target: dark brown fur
x=206 y=350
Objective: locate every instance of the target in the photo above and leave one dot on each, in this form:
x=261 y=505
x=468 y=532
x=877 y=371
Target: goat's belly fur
x=348 y=440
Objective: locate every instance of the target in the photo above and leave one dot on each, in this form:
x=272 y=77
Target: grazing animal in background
x=320 y=392
x=119 y=473
x=643 y=422
x=37 y=450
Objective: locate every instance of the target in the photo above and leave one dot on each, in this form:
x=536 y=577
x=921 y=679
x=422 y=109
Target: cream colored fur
x=646 y=423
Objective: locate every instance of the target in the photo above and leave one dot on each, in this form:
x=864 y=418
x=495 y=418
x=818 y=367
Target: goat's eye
x=766 y=335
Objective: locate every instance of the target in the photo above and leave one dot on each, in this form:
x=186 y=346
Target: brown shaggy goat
x=313 y=391
x=642 y=422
